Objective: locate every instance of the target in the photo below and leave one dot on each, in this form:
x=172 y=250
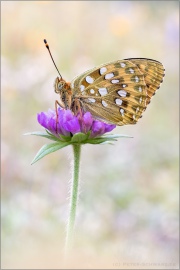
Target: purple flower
x=68 y=124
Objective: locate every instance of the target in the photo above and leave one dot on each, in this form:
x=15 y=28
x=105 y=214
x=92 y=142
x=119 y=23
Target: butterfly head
x=62 y=88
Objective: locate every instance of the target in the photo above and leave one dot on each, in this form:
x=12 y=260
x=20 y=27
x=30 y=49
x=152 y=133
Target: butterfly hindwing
x=153 y=74
x=118 y=92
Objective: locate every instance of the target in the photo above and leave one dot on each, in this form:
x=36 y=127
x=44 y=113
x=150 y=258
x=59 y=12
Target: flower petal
x=87 y=121
x=70 y=122
x=109 y=127
x=42 y=119
x=98 y=128
x=67 y=123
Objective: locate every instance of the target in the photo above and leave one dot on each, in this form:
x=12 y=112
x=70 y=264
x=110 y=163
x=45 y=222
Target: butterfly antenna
x=47 y=46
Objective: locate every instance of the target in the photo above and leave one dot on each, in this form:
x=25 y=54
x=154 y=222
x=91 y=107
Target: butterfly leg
x=77 y=108
x=56 y=107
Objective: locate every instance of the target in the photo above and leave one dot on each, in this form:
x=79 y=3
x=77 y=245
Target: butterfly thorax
x=63 y=88
x=67 y=99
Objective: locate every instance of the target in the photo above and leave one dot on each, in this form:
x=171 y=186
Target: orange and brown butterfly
x=116 y=92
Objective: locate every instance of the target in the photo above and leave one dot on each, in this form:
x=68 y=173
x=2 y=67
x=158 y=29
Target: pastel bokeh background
x=128 y=206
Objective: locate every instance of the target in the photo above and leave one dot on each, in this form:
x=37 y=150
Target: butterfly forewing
x=118 y=92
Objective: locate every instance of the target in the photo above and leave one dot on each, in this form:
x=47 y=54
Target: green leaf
x=43 y=134
x=116 y=136
x=65 y=138
x=49 y=148
x=107 y=142
x=38 y=133
x=60 y=137
x=106 y=138
x=79 y=137
x=99 y=140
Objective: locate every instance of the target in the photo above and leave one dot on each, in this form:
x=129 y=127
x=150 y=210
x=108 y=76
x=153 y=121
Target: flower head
x=68 y=129
x=68 y=124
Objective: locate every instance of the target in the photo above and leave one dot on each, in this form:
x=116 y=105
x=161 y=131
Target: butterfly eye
x=60 y=85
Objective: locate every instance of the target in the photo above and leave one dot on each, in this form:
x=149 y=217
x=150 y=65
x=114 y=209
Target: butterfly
x=116 y=92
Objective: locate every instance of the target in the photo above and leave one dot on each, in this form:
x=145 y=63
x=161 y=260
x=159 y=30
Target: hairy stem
x=73 y=197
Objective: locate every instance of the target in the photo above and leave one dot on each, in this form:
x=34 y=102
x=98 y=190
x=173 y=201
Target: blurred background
x=128 y=205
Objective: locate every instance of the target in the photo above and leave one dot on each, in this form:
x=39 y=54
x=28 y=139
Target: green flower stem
x=73 y=197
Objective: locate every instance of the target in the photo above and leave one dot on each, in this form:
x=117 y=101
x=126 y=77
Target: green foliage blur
x=128 y=204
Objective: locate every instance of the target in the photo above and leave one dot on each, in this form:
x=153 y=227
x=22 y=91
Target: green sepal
x=60 y=138
x=48 y=149
x=65 y=138
x=80 y=137
x=43 y=134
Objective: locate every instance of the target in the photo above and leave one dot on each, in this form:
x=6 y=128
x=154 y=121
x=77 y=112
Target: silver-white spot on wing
x=102 y=70
x=118 y=101
x=140 y=100
x=104 y=103
x=131 y=70
x=82 y=87
x=92 y=100
x=122 y=65
x=136 y=79
x=115 y=81
x=140 y=89
x=122 y=111
x=137 y=109
x=103 y=91
x=92 y=91
x=122 y=93
x=109 y=76
x=89 y=79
